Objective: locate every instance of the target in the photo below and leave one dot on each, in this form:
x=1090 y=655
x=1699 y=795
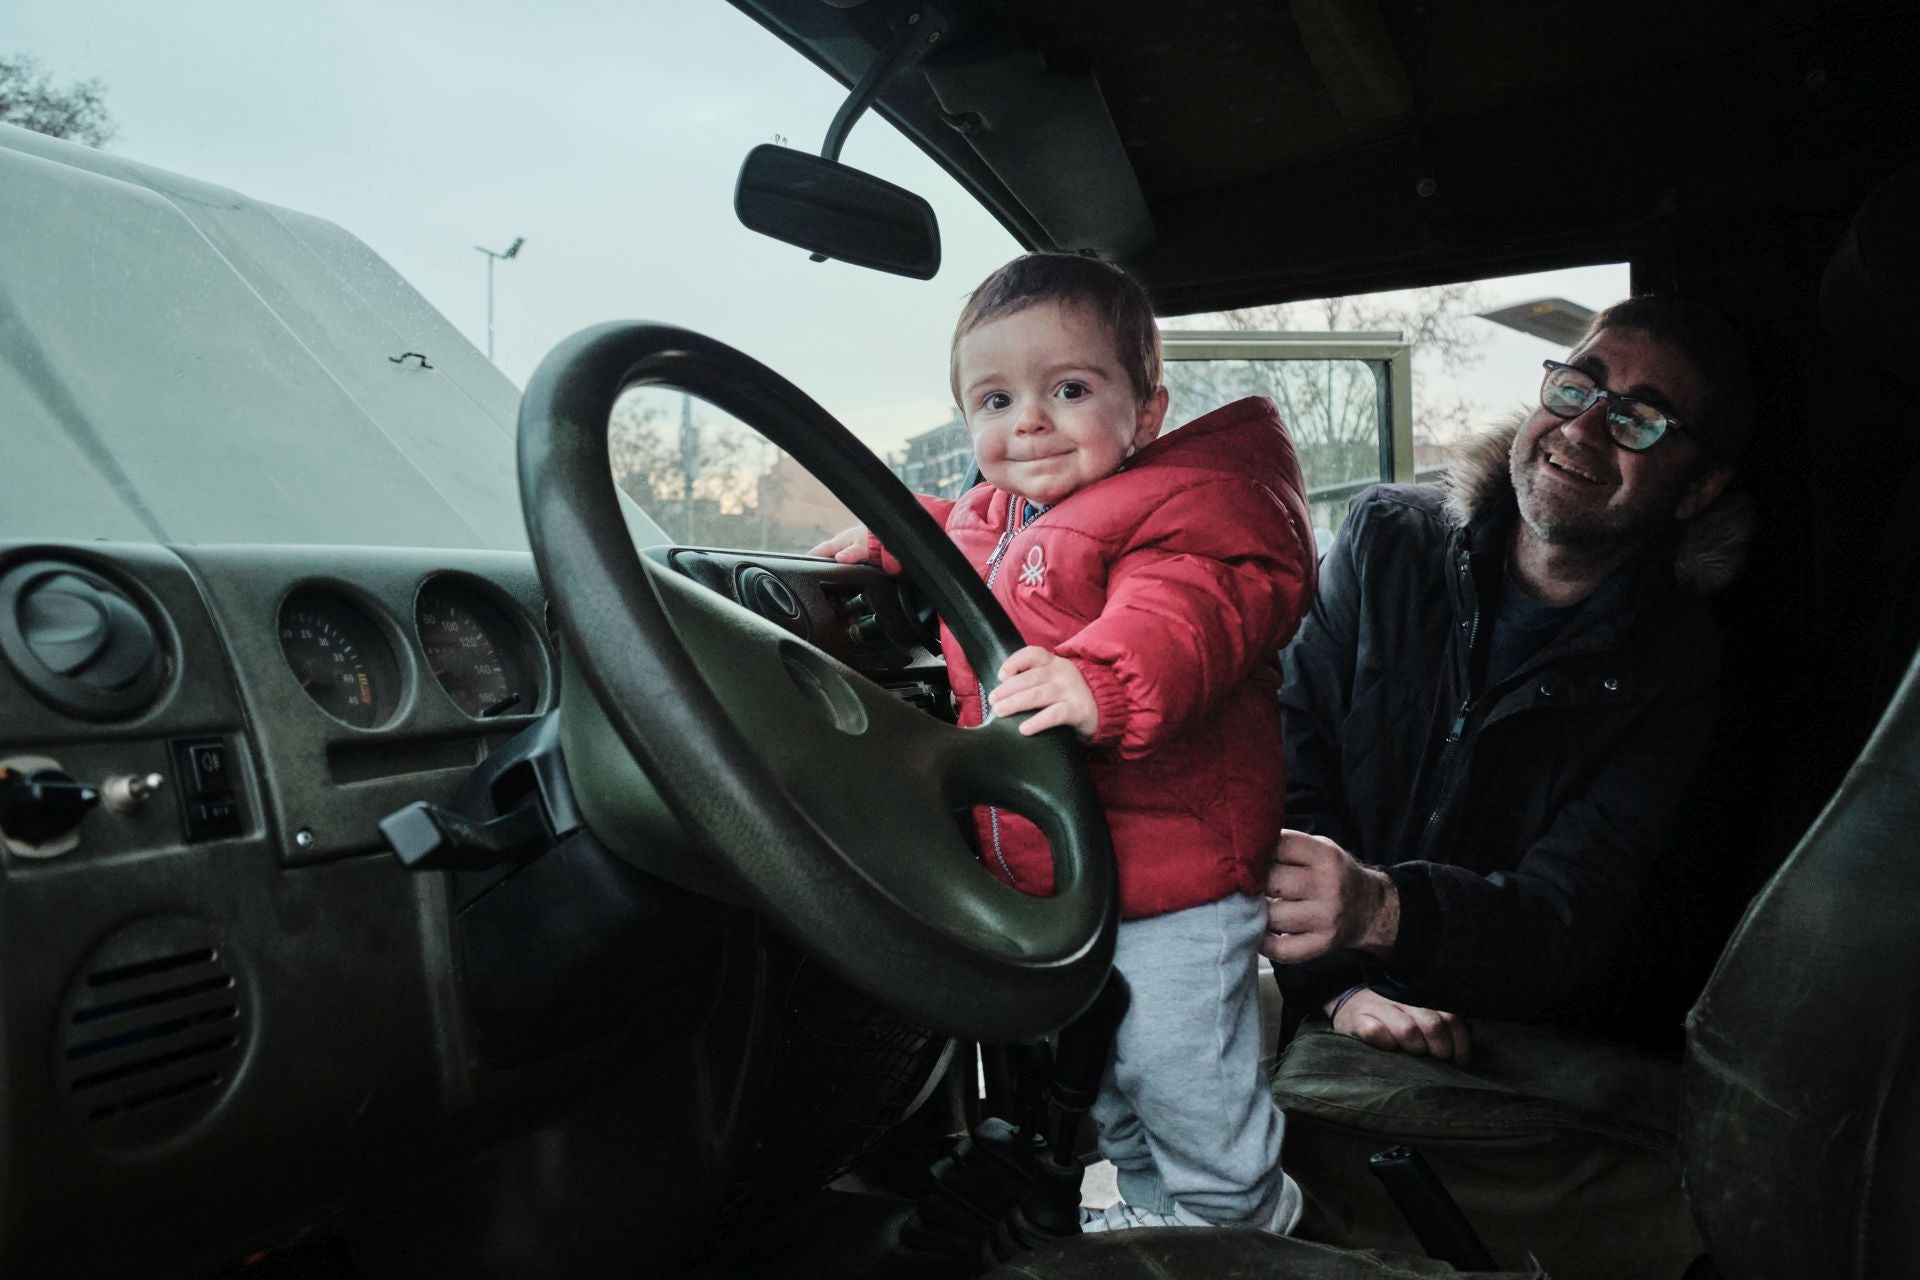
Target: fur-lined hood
x=1712 y=546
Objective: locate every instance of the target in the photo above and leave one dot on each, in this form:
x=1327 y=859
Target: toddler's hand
x=1035 y=680
x=849 y=546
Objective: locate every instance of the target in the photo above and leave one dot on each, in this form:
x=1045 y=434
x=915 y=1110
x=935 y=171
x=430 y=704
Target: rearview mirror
x=837 y=212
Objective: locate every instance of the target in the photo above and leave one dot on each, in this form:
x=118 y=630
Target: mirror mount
x=922 y=28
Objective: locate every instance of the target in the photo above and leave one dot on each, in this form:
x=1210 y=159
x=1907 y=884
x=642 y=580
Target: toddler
x=1157 y=580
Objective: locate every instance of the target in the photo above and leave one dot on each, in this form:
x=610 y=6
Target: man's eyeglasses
x=1635 y=425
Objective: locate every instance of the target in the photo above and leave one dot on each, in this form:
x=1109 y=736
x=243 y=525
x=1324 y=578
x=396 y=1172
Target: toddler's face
x=1048 y=402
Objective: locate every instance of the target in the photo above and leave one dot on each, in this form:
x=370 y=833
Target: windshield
x=608 y=135
x=384 y=216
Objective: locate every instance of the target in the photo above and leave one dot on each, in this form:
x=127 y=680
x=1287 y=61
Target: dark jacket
x=1170 y=585
x=1528 y=826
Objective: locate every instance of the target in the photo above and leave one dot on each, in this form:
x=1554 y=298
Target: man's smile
x=1572 y=469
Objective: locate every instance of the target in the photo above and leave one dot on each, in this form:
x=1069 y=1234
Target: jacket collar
x=1708 y=551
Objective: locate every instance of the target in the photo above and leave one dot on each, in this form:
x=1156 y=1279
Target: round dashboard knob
x=762 y=591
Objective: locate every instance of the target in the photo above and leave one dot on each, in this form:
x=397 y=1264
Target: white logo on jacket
x=1034 y=572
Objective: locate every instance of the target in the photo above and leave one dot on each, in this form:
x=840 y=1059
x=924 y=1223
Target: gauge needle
x=505 y=704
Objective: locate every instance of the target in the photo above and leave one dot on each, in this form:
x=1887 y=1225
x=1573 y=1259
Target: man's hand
x=849 y=546
x=1373 y=1019
x=1034 y=679
x=1321 y=899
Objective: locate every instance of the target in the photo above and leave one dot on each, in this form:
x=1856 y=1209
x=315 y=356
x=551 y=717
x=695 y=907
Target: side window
x=1346 y=397
x=709 y=480
x=1341 y=369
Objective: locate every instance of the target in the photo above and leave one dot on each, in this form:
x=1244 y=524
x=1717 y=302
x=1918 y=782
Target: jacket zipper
x=1016 y=507
x=1454 y=733
x=1458 y=728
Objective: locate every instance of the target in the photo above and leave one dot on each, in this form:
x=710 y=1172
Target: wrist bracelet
x=1341 y=1001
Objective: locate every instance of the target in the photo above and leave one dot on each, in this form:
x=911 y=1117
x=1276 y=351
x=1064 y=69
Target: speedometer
x=339 y=657
x=474 y=650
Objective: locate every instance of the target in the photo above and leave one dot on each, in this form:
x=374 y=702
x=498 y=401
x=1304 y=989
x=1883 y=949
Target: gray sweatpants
x=1185 y=1111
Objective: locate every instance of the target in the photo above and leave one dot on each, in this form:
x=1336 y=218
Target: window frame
x=1387 y=351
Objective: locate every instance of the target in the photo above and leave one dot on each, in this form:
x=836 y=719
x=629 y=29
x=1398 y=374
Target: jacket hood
x=1220 y=440
x=1244 y=438
x=1709 y=552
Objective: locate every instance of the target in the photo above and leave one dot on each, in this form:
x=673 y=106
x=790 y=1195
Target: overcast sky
x=608 y=133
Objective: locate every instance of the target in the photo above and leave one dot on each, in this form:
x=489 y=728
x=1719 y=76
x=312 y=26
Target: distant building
x=937 y=462
x=1429 y=456
x=788 y=499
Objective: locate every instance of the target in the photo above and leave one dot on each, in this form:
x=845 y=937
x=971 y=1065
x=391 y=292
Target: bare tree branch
x=30 y=99
x=1338 y=412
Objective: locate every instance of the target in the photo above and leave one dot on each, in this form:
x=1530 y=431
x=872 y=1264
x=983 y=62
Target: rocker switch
x=209 y=807
x=208 y=760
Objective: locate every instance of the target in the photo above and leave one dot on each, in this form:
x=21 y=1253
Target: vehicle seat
x=1557 y=1146
x=1802 y=1121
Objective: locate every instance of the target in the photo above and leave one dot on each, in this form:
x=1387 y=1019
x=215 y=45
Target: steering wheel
x=828 y=802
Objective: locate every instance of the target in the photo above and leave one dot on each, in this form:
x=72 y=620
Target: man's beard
x=1596 y=527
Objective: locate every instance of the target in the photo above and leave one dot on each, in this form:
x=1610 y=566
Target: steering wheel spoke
x=811 y=717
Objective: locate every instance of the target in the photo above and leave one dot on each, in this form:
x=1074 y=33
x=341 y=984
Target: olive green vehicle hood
x=179 y=363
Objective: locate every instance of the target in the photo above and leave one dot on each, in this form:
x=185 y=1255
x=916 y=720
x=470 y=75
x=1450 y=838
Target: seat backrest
x=1801 y=1135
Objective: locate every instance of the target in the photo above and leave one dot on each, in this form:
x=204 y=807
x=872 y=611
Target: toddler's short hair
x=1109 y=294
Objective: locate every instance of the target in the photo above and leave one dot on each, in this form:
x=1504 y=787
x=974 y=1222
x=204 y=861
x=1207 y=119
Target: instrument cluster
x=345 y=653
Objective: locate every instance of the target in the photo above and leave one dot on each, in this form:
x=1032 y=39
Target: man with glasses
x=1497 y=707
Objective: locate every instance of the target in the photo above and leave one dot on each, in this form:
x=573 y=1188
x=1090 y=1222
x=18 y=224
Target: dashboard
x=222 y=998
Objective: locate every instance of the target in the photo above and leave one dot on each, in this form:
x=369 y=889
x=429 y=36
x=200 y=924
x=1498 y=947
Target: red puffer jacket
x=1172 y=585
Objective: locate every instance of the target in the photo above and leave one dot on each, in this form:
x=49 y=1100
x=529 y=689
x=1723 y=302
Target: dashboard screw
x=304 y=837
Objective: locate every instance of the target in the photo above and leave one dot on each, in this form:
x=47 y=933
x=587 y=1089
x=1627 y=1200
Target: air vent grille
x=153 y=1032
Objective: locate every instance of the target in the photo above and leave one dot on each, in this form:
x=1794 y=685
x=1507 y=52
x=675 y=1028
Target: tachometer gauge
x=339 y=657
x=474 y=650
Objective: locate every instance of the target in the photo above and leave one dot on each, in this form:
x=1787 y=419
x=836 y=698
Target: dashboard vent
x=79 y=641
x=154 y=1029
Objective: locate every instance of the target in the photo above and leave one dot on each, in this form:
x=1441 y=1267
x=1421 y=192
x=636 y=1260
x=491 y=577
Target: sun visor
x=1047 y=134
